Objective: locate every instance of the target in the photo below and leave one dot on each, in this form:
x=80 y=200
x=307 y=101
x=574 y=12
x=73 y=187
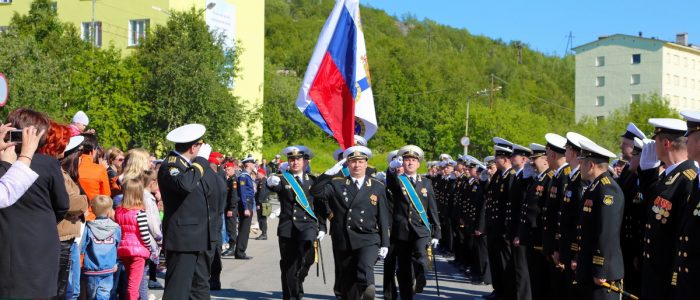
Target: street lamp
x=465 y=140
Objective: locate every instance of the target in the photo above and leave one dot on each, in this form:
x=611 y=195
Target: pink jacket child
x=134 y=247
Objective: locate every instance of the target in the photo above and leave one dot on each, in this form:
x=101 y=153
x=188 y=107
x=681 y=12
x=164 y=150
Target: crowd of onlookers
x=78 y=220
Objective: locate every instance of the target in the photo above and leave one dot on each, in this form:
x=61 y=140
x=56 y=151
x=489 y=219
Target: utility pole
x=569 y=43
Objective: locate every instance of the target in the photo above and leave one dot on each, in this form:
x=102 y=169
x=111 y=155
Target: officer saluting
x=360 y=226
x=599 y=259
x=667 y=197
x=186 y=231
x=300 y=221
x=415 y=219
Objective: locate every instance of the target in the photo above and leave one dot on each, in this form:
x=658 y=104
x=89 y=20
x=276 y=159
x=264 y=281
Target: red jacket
x=131 y=244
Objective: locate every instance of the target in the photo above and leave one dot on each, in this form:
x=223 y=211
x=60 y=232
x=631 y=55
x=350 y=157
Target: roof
x=645 y=39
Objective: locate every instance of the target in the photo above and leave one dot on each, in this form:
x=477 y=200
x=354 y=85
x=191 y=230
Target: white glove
x=434 y=242
x=284 y=167
x=395 y=164
x=336 y=168
x=273 y=181
x=382 y=252
x=320 y=235
x=381 y=176
x=648 y=159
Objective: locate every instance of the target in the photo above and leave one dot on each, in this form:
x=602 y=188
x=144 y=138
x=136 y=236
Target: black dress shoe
x=215 y=286
x=245 y=257
x=262 y=237
x=229 y=252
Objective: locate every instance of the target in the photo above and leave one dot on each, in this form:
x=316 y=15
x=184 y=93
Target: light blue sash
x=415 y=200
x=299 y=192
x=345 y=170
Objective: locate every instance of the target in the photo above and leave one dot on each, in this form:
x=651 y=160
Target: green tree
x=186 y=79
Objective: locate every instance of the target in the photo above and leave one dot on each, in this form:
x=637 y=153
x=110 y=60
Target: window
x=600 y=81
x=634 y=79
x=137 y=31
x=676 y=60
x=87 y=33
x=635 y=97
x=676 y=80
x=685 y=62
x=600 y=101
x=636 y=59
x=6 y=1
x=600 y=61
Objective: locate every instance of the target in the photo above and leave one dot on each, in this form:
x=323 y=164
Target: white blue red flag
x=336 y=93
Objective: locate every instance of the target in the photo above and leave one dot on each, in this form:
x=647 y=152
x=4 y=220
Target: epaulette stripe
x=690 y=173
x=338 y=178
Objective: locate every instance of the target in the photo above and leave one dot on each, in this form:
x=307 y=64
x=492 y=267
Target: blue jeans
x=99 y=287
x=143 y=288
x=224 y=234
x=73 y=289
x=119 y=281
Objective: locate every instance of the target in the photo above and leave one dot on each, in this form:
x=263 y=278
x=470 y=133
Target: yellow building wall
x=116 y=14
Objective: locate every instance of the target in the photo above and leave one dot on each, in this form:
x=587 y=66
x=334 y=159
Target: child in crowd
x=100 y=242
x=136 y=242
x=150 y=184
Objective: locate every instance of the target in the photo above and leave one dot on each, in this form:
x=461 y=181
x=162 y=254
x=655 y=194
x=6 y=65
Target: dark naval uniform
x=215 y=189
x=232 y=200
x=445 y=195
x=685 y=280
x=409 y=235
x=359 y=226
x=598 y=234
x=460 y=213
x=500 y=255
x=550 y=217
x=297 y=231
x=519 y=275
x=187 y=234
x=569 y=212
x=481 y=272
x=530 y=232
x=667 y=196
x=632 y=232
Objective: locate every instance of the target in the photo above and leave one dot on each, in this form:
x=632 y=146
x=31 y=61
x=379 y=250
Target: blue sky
x=545 y=24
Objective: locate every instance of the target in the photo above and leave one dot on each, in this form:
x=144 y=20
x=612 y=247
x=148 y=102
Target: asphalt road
x=259 y=278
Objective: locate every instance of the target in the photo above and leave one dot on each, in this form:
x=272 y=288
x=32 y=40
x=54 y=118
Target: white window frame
x=5 y=1
x=137 y=30
x=85 y=30
x=600 y=61
x=600 y=81
x=632 y=59
x=599 y=101
x=635 y=79
x=635 y=97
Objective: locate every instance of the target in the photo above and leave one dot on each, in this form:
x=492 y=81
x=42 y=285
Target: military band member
x=301 y=222
x=500 y=256
x=360 y=226
x=599 y=259
x=529 y=234
x=667 y=197
x=556 y=148
x=415 y=221
x=187 y=234
x=569 y=211
x=686 y=264
x=632 y=232
x=518 y=188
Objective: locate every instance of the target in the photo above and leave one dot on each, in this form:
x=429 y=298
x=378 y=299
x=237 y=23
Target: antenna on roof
x=569 y=44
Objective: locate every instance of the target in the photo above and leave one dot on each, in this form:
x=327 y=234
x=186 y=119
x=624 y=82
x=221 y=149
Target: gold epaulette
x=512 y=171
x=550 y=174
x=567 y=170
x=605 y=181
x=376 y=180
x=598 y=260
x=575 y=247
x=690 y=173
x=338 y=178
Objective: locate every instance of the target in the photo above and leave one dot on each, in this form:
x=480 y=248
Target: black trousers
x=412 y=262
x=293 y=253
x=243 y=234
x=522 y=274
x=232 y=229
x=64 y=264
x=480 y=268
x=389 y=283
x=537 y=268
x=356 y=270
x=262 y=222
x=555 y=278
x=495 y=246
x=187 y=276
x=216 y=265
x=446 y=240
x=633 y=278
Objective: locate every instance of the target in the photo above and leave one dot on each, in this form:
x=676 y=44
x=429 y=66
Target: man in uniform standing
x=301 y=222
x=246 y=193
x=476 y=222
x=231 y=208
x=667 y=197
x=686 y=264
x=187 y=235
x=556 y=148
x=631 y=237
x=360 y=226
x=415 y=221
x=529 y=236
x=516 y=195
x=599 y=259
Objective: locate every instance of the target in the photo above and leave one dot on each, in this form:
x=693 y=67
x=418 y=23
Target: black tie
x=413 y=181
x=298 y=179
x=357 y=183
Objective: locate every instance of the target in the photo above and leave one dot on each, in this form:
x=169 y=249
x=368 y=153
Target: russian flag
x=336 y=93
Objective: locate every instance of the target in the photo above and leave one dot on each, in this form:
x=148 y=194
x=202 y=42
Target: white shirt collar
x=670 y=168
x=517 y=172
x=571 y=175
x=556 y=173
x=360 y=181
x=300 y=175
x=185 y=158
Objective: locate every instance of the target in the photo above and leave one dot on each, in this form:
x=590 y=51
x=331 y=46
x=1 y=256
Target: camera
x=15 y=136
